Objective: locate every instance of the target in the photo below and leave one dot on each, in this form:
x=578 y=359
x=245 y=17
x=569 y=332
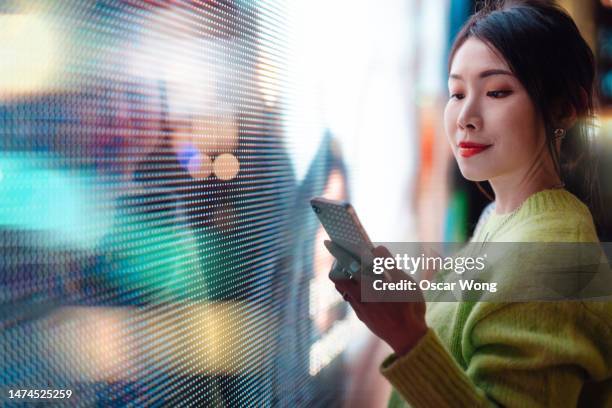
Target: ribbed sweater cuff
x=427 y=376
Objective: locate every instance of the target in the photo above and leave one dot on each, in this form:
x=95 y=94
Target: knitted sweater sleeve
x=535 y=354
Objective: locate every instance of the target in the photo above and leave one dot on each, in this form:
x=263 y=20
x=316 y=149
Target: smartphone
x=342 y=225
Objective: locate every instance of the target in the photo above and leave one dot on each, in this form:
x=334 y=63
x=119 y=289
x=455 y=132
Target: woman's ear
x=569 y=118
x=569 y=115
x=565 y=116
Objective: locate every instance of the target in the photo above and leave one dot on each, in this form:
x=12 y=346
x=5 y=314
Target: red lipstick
x=468 y=149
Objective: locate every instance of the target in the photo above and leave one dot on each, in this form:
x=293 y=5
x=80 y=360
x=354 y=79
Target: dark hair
x=544 y=49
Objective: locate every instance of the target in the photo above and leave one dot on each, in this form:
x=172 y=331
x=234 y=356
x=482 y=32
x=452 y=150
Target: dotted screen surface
x=156 y=246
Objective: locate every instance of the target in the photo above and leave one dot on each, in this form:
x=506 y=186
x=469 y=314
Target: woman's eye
x=498 y=94
x=457 y=95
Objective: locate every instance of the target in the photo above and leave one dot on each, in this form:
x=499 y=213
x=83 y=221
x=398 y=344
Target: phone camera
x=316 y=209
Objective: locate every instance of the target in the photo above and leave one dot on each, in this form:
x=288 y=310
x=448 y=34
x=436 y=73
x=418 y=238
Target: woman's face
x=490 y=120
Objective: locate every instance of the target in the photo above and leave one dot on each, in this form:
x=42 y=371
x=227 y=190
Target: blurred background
x=157 y=246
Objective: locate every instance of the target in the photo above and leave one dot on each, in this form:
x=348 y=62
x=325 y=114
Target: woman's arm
x=536 y=354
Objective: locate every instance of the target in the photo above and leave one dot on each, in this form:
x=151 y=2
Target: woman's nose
x=469 y=117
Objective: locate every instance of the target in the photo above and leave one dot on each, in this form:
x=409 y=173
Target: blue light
x=48 y=200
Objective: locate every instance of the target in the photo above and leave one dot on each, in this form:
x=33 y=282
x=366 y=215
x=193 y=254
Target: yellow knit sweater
x=522 y=354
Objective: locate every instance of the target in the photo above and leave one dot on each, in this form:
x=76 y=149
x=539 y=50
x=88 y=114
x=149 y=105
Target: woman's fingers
x=393 y=274
x=348 y=289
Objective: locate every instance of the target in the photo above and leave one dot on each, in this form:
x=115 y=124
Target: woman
x=521 y=94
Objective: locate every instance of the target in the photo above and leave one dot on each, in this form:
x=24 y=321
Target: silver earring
x=559 y=133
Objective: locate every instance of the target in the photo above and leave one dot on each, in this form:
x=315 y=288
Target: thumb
x=382 y=252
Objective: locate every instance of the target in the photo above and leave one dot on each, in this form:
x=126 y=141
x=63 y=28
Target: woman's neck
x=509 y=196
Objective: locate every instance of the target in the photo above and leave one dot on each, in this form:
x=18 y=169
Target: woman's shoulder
x=548 y=215
x=596 y=314
x=557 y=215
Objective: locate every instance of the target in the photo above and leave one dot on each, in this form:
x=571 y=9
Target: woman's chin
x=473 y=174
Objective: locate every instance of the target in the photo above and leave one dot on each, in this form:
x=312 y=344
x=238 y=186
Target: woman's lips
x=468 y=149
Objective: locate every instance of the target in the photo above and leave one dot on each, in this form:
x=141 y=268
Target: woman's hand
x=399 y=324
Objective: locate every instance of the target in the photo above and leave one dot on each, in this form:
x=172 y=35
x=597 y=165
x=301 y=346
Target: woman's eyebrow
x=484 y=74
